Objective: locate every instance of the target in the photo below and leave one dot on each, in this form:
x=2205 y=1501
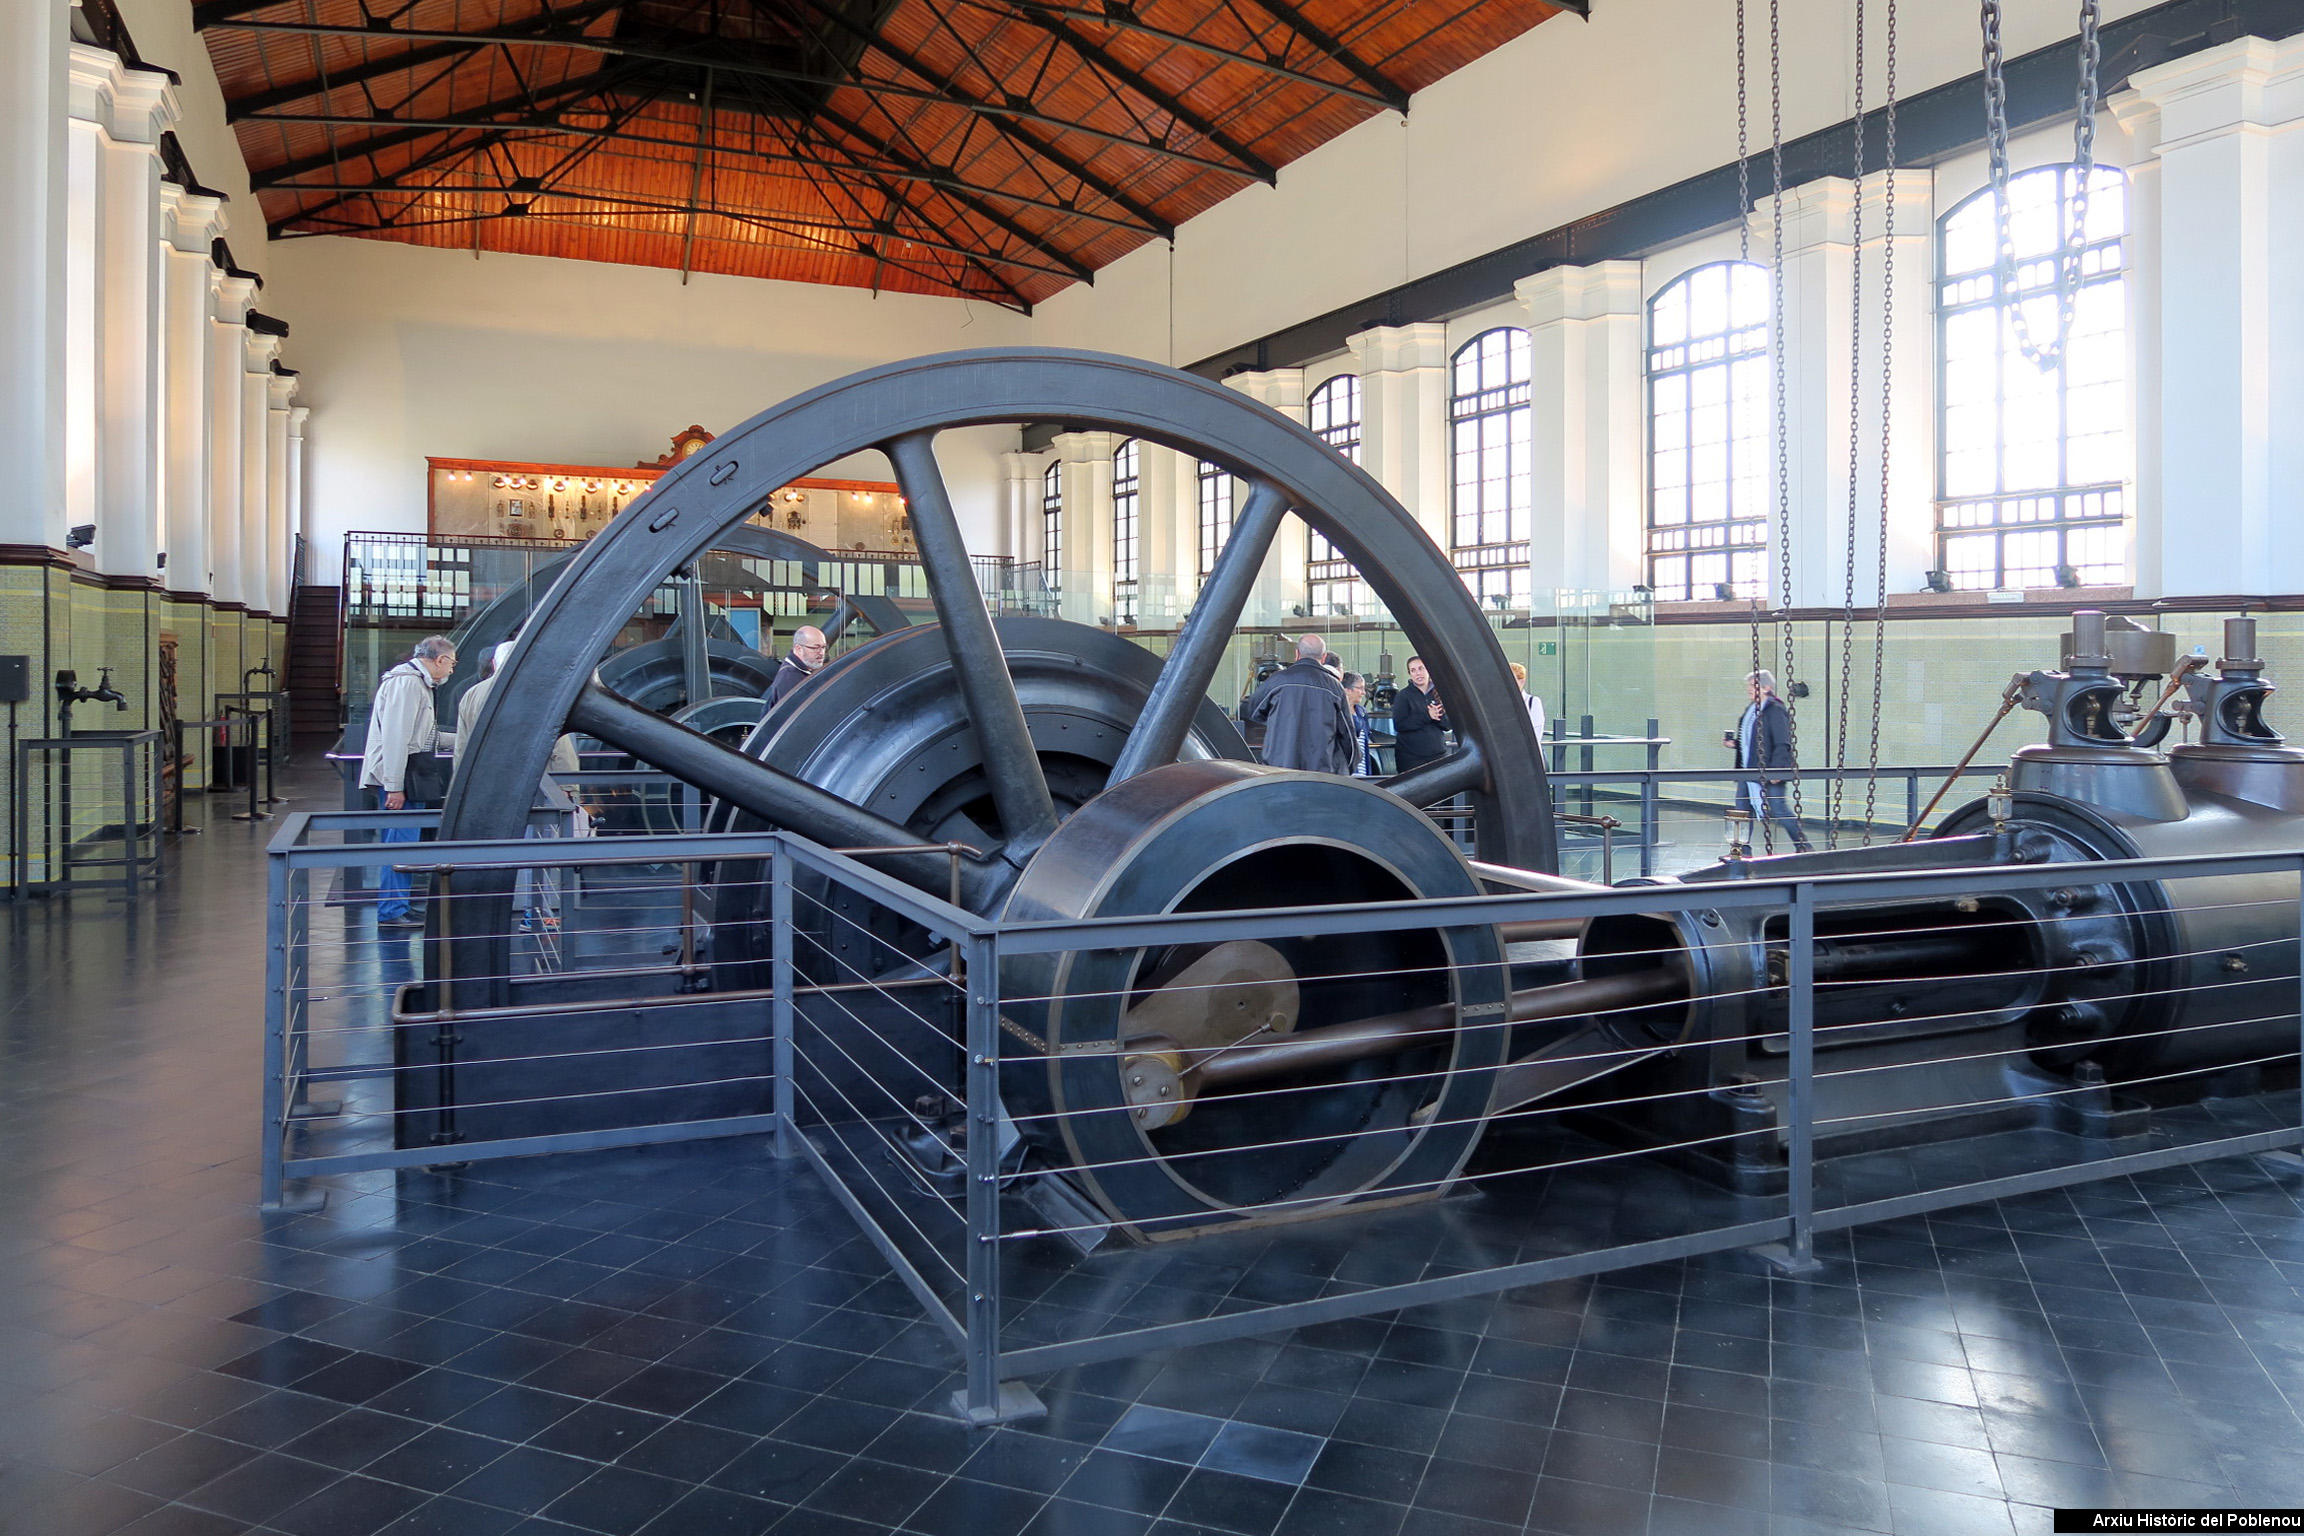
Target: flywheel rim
x=897 y=409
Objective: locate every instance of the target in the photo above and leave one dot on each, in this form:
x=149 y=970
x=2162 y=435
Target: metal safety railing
x=87 y=812
x=984 y=1096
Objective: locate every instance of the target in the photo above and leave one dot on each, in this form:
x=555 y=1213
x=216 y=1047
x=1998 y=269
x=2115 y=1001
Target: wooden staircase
x=315 y=656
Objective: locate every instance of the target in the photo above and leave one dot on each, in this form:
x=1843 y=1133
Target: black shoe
x=412 y=920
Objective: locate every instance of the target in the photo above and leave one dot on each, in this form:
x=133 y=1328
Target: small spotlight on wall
x=1724 y=592
x=80 y=536
x=1939 y=581
x=2067 y=576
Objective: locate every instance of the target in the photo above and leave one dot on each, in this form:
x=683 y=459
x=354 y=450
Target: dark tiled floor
x=695 y=1342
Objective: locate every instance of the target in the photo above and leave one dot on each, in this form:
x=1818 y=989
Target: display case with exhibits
x=569 y=503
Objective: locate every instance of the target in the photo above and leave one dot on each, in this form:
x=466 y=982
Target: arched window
x=1124 y=523
x=2032 y=487
x=1052 y=522
x=1708 y=436
x=1215 y=499
x=1333 y=411
x=1489 y=420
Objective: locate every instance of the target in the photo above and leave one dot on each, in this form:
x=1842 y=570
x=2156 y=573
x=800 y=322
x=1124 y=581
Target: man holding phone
x=1419 y=720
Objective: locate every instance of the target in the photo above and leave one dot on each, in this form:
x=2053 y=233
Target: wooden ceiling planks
x=993 y=149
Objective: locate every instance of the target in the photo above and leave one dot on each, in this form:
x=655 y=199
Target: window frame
x=1334 y=412
x=1758 y=522
x=2066 y=495
x=1127 y=521
x=1052 y=522
x=1215 y=501
x=1494 y=567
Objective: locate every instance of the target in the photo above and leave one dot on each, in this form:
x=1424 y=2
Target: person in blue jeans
x=399 y=767
x=1762 y=740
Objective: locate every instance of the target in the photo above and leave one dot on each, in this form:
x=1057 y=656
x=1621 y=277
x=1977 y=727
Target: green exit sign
x=1547 y=647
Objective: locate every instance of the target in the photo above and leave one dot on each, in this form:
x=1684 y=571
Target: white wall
x=1570 y=118
x=409 y=352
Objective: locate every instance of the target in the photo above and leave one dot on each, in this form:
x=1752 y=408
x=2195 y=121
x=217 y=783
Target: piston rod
x=1336 y=1045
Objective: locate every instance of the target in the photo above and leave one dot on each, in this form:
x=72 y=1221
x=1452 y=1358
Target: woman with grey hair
x=1762 y=739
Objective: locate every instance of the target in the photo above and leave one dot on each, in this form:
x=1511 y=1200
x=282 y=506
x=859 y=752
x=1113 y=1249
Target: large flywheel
x=999 y=736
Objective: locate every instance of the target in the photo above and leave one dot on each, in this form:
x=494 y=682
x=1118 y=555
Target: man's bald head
x=1311 y=645
x=808 y=646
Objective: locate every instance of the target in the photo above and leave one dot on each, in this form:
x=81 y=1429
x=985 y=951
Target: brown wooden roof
x=997 y=149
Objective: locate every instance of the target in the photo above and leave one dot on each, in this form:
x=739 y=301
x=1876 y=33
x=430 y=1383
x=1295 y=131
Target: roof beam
x=964 y=196
x=1285 y=12
x=271 y=176
x=892 y=202
x=410 y=58
x=1392 y=97
x=814 y=231
x=1101 y=59
x=1018 y=111
x=1031 y=143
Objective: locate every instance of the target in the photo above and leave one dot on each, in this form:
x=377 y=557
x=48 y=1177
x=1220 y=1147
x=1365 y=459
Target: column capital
x=257 y=352
x=234 y=297
x=132 y=103
x=1822 y=213
x=1399 y=348
x=1580 y=293
x=1280 y=388
x=2249 y=82
x=283 y=389
x=1016 y=464
x=1086 y=447
x=297 y=416
x=190 y=221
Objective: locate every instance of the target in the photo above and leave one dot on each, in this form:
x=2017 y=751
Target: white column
x=1820 y=350
x=1087 y=459
x=256 y=564
x=2219 y=226
x=1587 y=436
x=1167 y=536
x=33 y=94
x=1020 y=505
x=139 y=105
x=81 y=309
x=190 y=222
x=278 y=527
x=1404 y=416
x=1282 y=586
x=227 y=345
x=297 y=417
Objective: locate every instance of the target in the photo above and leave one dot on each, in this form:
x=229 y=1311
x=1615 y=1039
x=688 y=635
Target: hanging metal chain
x=1835 y=793
x=1783 y=437
x=1743 y=146
x=2072 y=234
x=1887 y=377
x=1744 y=231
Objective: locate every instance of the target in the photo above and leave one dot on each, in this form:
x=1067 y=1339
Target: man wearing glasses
x=401 y=765
x=800 y=663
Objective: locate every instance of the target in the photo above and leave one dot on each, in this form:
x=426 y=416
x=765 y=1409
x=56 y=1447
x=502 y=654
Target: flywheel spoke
x=1160 y=731
x=768 y=793
x=1011 y=763
x=1440 y=779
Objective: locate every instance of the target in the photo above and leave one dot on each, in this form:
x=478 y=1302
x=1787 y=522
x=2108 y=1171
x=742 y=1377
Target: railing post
x=1911 y=799
x=982 y=1401
x=269 y=1177
x=1651 y=830
x=1800 y=1005
x=1584 y=762
x=780 y=1007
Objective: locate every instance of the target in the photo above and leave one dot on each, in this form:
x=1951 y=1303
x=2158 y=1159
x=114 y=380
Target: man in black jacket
x=1307 y=724
x=800 y=663
x=1763 y=740
x=1419 y=722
